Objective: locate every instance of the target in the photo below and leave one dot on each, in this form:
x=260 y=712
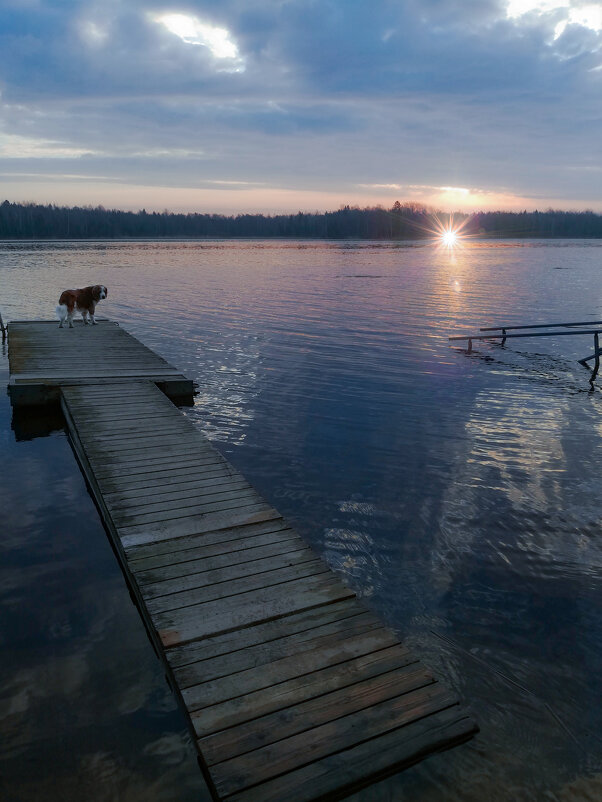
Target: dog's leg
x=61 y=312
x=85 y=314
x=70 y=319
x=93 y=319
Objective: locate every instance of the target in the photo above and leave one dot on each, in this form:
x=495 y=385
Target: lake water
x=458 y=494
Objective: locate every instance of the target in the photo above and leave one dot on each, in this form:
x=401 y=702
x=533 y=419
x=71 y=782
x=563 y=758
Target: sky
x=237 y=106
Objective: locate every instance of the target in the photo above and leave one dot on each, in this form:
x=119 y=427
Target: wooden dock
x=293 y=689
x=42 y=360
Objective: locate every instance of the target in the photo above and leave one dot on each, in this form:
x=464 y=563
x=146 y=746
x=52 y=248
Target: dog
x=83 y=301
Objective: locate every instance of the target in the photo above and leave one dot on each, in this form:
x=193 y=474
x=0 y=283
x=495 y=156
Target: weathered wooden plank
x=243 y=771
x=301 y=625
x=338 y=775
x=257 y=651
x=114 y=423
x=128 y=522
x=182 y=563
x=172 y=490
x=115 y=480
x=145 y=498
x=112 y=367
x=266 y=700
x=177 y=547
x=124 y=441
x=48 y=391
x=182 y=600
x=58 y=353
x=215 y=555
x=105 y=414
x=220 y=556
x=314 y=712
x=328 y=653
x=86 y=404
x=114 y=429
x=86 y=412
x=176 y=463
x=151 y=456
x=145 y=455
x=212 y=618
x=58 y=380
x=181 y=508
x=152 y=448
x=133 y=394
x=124 y=414
x=231 y=578
x=170 y=441
x=195 y=525
x=219 y=517
x=97 y=372
x=105 y=397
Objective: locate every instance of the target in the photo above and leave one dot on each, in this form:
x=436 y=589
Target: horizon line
x=417 y=206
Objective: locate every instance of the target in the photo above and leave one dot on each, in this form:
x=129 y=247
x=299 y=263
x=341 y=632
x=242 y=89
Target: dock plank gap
x=293 y=690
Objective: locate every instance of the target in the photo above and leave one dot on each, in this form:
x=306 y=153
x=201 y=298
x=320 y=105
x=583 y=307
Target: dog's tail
x=61 y=312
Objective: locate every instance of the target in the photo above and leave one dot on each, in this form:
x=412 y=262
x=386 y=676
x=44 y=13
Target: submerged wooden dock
x=292 y=688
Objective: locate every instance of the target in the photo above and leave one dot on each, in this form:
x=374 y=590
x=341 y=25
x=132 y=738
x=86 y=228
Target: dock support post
x=504 y=337
x=596 y=357
x=469 y=349
x=3 y=328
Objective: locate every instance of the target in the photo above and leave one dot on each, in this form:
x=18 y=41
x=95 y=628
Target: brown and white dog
x=83 y=301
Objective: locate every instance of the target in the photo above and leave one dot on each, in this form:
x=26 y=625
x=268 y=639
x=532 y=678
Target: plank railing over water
x=293 y=690
x=579 y=331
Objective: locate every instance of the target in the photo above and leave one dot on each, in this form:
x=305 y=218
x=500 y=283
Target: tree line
x=403 y=221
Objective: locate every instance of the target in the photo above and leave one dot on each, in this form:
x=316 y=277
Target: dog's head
x=99 y=292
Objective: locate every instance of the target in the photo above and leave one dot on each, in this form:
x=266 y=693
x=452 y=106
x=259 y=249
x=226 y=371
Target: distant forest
x=402 y=221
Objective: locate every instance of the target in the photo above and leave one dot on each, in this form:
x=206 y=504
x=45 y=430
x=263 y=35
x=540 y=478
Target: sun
x=446 y=233
x=449 y=238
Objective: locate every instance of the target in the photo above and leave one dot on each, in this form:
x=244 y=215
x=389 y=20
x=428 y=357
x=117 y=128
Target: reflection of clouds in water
x=40 y=686
x=350 y=552
x=582 y=789
x=70 y=671
x=361 y=507
x=519 y=435
x=169 y=748
x=104 y=776
x=76 y=660
x=358 y=547
x=507 y=493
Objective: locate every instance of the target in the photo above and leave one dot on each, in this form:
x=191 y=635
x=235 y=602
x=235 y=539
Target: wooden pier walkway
x=42 y=360
x=293 y=689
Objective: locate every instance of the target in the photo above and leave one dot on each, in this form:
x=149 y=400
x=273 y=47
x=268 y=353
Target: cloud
x=194 y=31
x=320 y=96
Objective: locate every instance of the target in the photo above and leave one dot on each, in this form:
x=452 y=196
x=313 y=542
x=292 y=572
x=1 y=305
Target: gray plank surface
x=42 y=358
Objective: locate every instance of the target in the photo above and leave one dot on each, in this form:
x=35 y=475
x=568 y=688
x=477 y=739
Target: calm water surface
x=458 y=494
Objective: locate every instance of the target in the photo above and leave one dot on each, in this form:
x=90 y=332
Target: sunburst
x=447 y=234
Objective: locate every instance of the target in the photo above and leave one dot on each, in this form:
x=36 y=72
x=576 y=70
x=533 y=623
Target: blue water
x=457 y=493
